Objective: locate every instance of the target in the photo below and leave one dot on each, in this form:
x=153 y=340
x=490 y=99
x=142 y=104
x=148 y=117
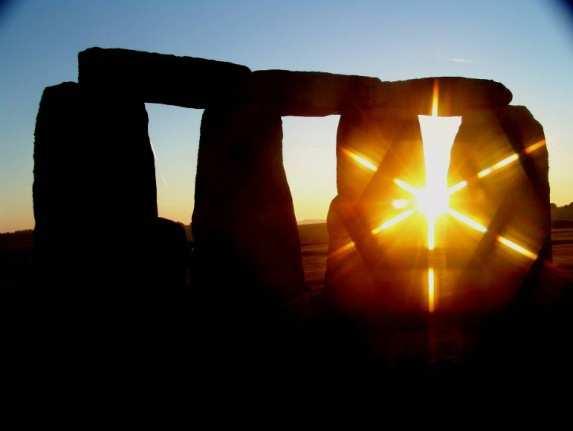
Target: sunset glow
x=438 y=135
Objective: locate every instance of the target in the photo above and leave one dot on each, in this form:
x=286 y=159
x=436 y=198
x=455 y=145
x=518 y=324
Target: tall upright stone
x=244 y=227
x=502 y=155
x=94 y=190
x=371 y=272
x=485 y=258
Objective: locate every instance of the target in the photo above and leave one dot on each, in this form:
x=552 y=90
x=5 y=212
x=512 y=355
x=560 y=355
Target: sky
x=525 y=44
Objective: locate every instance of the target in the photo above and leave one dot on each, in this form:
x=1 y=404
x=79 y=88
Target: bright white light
x=438 y=135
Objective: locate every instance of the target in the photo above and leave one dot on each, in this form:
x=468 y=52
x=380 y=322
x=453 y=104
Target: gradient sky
x=526 y=44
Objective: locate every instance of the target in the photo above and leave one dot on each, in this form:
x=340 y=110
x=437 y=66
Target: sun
x=433 y=200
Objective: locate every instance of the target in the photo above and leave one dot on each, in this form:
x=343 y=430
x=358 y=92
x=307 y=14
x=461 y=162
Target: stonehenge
x=374 y=274
x=95 y=195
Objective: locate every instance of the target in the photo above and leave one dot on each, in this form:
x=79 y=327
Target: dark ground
x=16 y=255
x=176 y=335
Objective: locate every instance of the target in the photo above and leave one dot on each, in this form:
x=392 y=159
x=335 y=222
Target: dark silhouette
x=97 y=227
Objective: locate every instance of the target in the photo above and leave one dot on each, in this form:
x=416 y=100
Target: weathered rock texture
x=94 y=189
x=243 y=224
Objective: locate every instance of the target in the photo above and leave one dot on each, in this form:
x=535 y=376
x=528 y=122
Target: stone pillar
x=244 y=229
x=479 y=267
x=94 y=190
x=369 y=273
x=502 y=155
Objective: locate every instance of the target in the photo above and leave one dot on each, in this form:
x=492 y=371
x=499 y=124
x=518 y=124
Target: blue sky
x=527 y=45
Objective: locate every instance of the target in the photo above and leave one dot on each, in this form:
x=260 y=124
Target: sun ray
x=393 y=221
x=516 y=247
x=344 y=249
x=361 y=160
x=407 y=187
x=400 y=204
x=435 y=97
x=432 y=200
x=497 y=166
x=431 y=289
x=467 y=221
x=431 y=234
x=534 y=147
x=501 y=239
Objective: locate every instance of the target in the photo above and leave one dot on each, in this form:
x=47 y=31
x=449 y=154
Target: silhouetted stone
x=244 y=227
x=319 y=93
x=373 y=275
x=457 y=95
x=94 y=192
x=512 y=201
x=160 y=78
x=199 y=83
x=164 y=255
x=379 y=273
x=311 y=93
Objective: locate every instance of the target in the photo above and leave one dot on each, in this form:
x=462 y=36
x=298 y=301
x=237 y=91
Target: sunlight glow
x=435 y=97
x=501 y=164
x=400 y=204
x=438 y=135
x=516 y=247
x=407 y=187
x=393 y=221
x=467 y=221
x=501 y=239
x=431 y=290
x=344 y=249
x=497 y=166
x=535 y=147
x=361 y=160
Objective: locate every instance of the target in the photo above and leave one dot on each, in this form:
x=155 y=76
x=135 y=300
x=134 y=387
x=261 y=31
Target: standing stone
x=501 y=153
x=244 y=228
x=503 y=156
x=94 y=190
x=371 y=274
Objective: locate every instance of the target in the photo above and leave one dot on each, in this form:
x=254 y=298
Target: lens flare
x=501 y=239
x=438 y=135
x=400 y=204
x=497 y=166
x=361 y=160
x=393 y=221
x=431 y=290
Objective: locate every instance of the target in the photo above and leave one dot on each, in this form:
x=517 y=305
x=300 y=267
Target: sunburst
x=433 y=200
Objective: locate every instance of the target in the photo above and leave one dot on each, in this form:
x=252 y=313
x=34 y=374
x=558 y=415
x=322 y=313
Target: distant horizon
x=298 y=222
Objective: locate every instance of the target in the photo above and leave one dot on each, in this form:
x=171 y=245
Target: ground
x=16 y=252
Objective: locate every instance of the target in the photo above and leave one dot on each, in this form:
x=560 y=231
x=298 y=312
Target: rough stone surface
x=243 y=224
x=160 y=78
